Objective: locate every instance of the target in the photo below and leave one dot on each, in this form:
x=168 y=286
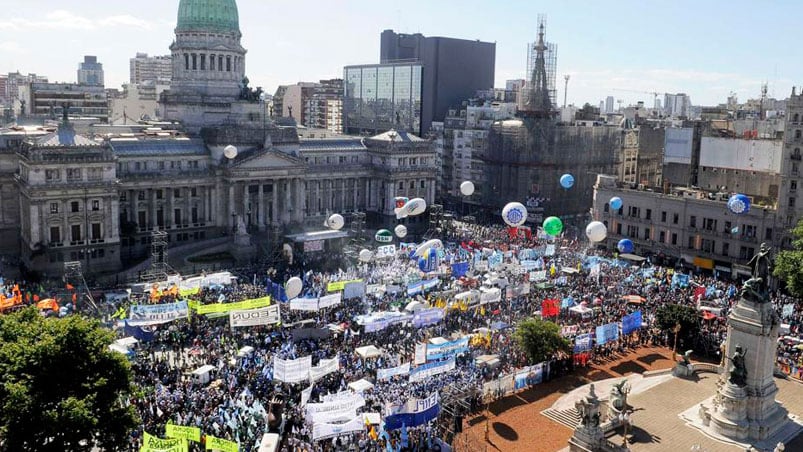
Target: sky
x=622 y=48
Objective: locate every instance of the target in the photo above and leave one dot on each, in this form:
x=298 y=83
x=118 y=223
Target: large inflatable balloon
x=230 y=152
x=430 y=262
x=596 y=231
x=616 y=203
x=739 y=204
x=422 y=249
x=293 y=287
x=467 y=188
x=625 y=246
x=335 y=221
x=401 y=231
x=567 y=181
x=553 y=226
x=383 y=236
x=399 y=203
x=366 y=255
x=411 y=208
x=514 y=214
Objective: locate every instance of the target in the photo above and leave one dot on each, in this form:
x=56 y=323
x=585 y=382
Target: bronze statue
x=738 y=370
x=757 y=287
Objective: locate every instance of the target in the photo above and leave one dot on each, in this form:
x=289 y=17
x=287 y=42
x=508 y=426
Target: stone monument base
x=682 y=370
x=241 y=249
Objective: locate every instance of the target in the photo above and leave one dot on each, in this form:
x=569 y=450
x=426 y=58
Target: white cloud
x=66 y=20
x=11 y=47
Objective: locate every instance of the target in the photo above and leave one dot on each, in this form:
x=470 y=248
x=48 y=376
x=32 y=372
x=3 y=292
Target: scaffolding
x=436 y=225
x=74 y=276
x=159 y=269
x=539 y=76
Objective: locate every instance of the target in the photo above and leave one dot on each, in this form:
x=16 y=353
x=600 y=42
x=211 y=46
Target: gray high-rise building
x=157 y=68
x=380 y=97
x=454 y=69
x=90 y=72
x=609 y=104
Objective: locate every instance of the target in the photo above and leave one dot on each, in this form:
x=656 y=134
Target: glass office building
x=380 y=97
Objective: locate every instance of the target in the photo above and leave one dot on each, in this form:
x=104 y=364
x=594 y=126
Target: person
x=738 y=371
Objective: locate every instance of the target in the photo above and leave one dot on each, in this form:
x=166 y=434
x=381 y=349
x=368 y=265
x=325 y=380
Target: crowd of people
x=242 y=400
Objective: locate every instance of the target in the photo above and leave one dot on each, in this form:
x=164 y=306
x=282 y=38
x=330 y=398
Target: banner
x=568 y=330
x=321 y=430
x=304 y=304
x=353 y=290
x=268 y=315
x=154 y=314
x=343 y=405
x=550 y=250
x=291 y=370
x=422 y=286
x=414 y=413
x=183 y=432
x=299 y=334
x=420 y=353
x=385 y=251
x=324 y=367
x=151 y=443
x=339 y=285
x=550 y=308
x=517 y=290
x=305 y=395
x=447 y=349
x=224 y=445
x=330 y=300
x=631 y=322
x=431 y=369
x=459 y=269
x=529 y=376
x=606 y=333
x=426 y=317
x=492 y=295
x=253 y=303
x=386 y=374
x=583 y=343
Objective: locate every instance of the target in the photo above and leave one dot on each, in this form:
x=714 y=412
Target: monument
x=744 y=409
x=241 y=248
x=588 y=435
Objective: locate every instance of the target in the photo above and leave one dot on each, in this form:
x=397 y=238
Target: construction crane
x=655 y=94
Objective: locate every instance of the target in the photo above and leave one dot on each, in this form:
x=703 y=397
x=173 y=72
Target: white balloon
x=230 y=151
x=366 y=255
x=401 y=231
x=467 y=188
x=415 y=206
x=596 y=231
x=293 y=287
x=335 y=221
x=424 y=247
x=514 y=214
x=400 y=213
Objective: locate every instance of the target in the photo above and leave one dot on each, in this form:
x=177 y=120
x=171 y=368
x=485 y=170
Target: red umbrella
x=707 y=315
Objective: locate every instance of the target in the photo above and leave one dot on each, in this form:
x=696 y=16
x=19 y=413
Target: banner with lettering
x=438 y=351
x=431 y=369
x=606 y=333
x=291 y=370
x=154 y=314
x=583 y=342
x=550 y=307
x=151 y=443
x=221 y=444
x=342 y=406
x=354 y=289
x=253 y=303
x=631 y=322
x=386 y=374
x=420 y=353
x=339 y=285
x=268 y=315
x=324 y=367
x=304 y=304
x=323 y=430
x=183 y=432
x=414 y=413
x=426 y=317
x=330 y=300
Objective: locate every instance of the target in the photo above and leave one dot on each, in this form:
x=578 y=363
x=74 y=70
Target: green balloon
x=553 y=226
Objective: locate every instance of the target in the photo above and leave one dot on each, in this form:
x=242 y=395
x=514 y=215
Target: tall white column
x=261 y=206
x=274 y=205
x=246 y=196
x=230 y=219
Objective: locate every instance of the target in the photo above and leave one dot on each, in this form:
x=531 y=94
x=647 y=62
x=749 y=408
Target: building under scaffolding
x=527 y=155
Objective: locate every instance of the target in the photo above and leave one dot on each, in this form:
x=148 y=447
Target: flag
x=70 y=286
x=550 y=307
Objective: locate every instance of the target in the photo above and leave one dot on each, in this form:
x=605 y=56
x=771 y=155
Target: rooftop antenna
x=565 y=88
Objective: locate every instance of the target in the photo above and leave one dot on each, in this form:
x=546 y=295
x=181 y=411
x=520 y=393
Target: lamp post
x=230 y=152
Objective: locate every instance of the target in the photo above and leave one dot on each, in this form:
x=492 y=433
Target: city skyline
x=606 y=50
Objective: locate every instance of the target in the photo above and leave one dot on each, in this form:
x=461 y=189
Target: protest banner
x=253 y=303
x=291 y=370
x=386 y=374
x=631 y=322
x=329 y=300
x=154 y=314
x=431 y=369
x=420 y=353
x=426 y=317
x=322 y=430
x=606 y=333
x=414 y=413
x=340 y=285
x=268 y=315
x=324 y=367
x=183 y=432
x=304 y=304
x=151 y=443
x=221 y=444
x=446 y=349
x=583 y=343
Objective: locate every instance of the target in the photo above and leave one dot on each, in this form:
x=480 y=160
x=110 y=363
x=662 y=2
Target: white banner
x=321 y=430
x=491 y=296
x=420 y=353
x=431 y=369
x=291 y=370
x=330 y=300
x=340 y=407
x=268 y=315
x=386 y=251
x=154 y=314
x=304 y=304
x=550 y=250
x=540 y=275
x=324 y=367
x=305 y=395
x=385 y=374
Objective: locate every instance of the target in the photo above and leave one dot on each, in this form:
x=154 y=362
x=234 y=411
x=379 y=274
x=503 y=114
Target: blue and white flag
x=447 y=349
x=583 y=342
x=414 y=413
x=606 y=333
x=631 y=322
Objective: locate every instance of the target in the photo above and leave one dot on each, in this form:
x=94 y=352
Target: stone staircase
x=570 y=418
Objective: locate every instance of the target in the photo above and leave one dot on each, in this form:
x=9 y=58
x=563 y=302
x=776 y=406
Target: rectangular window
x=95 y=205
x=220 y=62
x=95 y=174
x=675 y=218
x=141 y=219
x=75 y=207
x=54 y=207
x=619 y=229
x=194 y=213
x=692 y=221
x=691 y=242
x=186 y=62
x=160 y=165
x=177 y=215
x=793 y=185
x=52 y=175
x=75 y=232
x=674 y=238
x=646 y=233
x=725 y=248
x=662 y=236
x=228 y=63
x=95 y=231
x=55 y=234
x=423 y=184
x=663 y=217
x=649 y=214
x=768 y=234
x=158 y=194
x=727 y=229
x=791 y=201
x=141 y=195
x=606 y=208
x=194 y=62
x=177 y=193
x=341 y=159
x=708 y=245
x=203 y=62
x=193 y=192
x=160 y=218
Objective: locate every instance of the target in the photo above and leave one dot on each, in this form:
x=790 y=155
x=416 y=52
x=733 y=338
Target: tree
x=669 y=316
x=62 y=388
x=540 y=339
x=789 y=263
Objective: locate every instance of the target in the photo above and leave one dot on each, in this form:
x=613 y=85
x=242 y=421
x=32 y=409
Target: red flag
x=70 y=286
x=513 y=232
x=699 y=292
x=550 y=307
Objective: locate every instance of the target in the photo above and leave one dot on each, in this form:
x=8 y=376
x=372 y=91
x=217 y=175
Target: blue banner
x=414 y=413
x=447 y=349
x=606 y=333
x=459 y=269
x=680 y=280
x=422 y=286
x=529 y=376
x=138 y=332
x=631 y=322
x=427 y=317
x=567 y=302
x=583 y=342
x=353 y=289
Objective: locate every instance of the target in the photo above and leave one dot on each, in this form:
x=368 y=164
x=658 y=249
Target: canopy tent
x=127 y=342
x=580 y=309
x=368 y=351
x=269 y=443
x=414 y=306
x=570 y=270
x=47 y=303
x=633 y=257
x=487 y=360
x=361 y=385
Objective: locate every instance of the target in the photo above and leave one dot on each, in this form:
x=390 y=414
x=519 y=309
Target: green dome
x=208 y=15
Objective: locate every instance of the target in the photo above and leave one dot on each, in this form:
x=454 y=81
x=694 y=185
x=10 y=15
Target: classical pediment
x=267 y=159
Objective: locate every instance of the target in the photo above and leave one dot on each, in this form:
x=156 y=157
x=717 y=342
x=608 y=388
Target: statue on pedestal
x=738 y=370
x=756 y=288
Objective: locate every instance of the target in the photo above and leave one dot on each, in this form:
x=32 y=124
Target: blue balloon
x=625 y=246
x=616 y=203
x=739 y=204
x=567 y=181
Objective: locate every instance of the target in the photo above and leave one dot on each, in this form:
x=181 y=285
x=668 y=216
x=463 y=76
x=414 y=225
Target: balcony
x=796 y=157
